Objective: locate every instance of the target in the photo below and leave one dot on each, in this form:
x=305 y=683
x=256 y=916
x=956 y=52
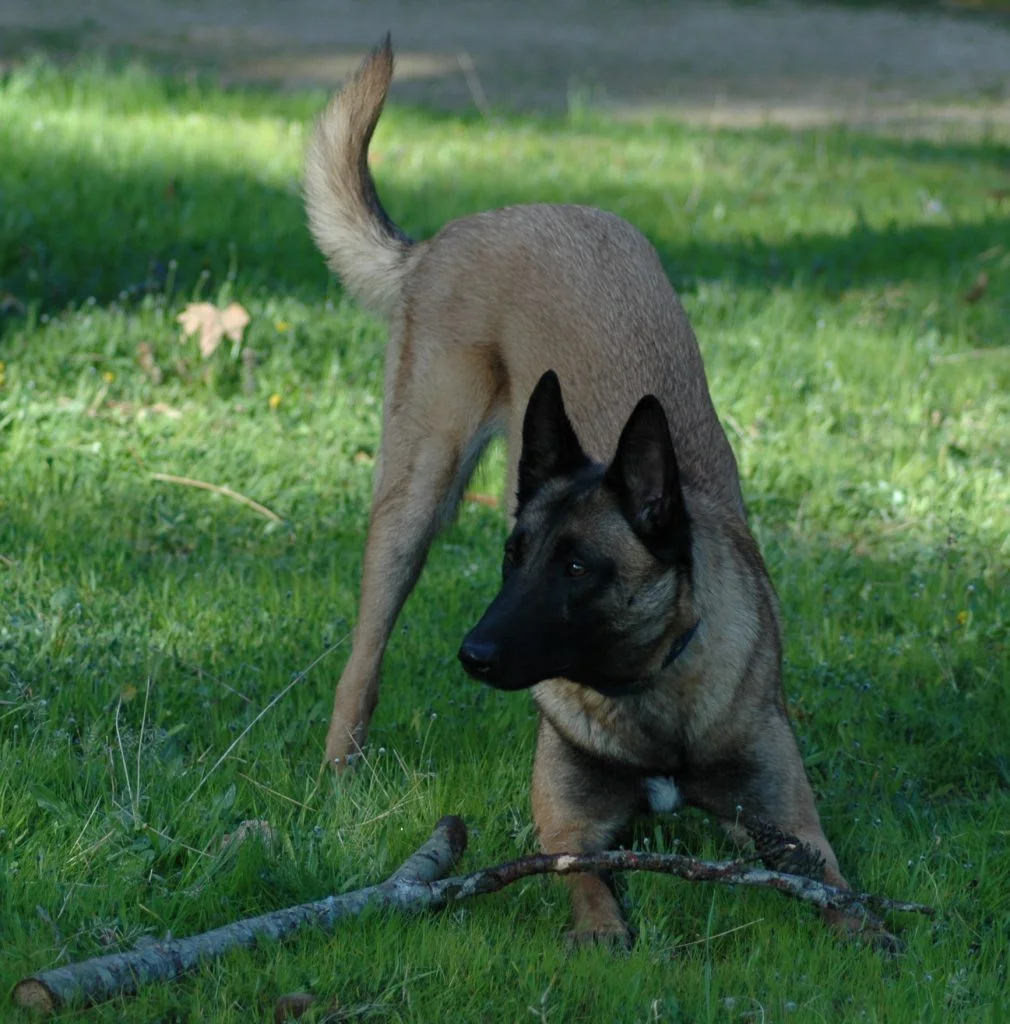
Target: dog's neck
x=679 y=645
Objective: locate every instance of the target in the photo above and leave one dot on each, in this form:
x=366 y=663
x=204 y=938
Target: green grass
x=825 y=273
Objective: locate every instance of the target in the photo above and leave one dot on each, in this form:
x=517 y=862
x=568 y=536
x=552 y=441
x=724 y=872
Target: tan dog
x=635 y=602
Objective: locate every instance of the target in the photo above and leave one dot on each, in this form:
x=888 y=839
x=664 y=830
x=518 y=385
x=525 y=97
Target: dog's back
x=534 y=287
x=580 y=291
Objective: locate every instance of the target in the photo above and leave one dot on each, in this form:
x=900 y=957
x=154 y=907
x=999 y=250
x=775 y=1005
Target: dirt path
x=710 y=59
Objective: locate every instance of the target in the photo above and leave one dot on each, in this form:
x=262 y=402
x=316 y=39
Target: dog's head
x=597 y=570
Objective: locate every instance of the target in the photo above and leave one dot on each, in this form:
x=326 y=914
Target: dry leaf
x=140 y=411
x=10 y=303
x=145 y=356
x=481 y=499
x=999 y=194
x=250 y=827
x=211 y=323
x=977 y=290
x=235 y=319
x=162 y=409
x=292 y=1006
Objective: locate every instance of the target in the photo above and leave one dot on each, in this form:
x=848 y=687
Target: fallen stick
x=223 y=489
x=105 y=977
x=420 y=885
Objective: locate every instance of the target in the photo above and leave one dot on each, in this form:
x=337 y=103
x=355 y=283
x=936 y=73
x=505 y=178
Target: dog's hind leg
x=437 y=420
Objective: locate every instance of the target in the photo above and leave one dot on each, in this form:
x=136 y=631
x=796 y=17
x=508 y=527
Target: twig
x=273 y=792
x=473 y=83
x=972 y=353
x=140 y=745
x=238 y=739
x=122 y=756
x=9 y=562
x=186 y=481
x=106 y=977
x=718 y=935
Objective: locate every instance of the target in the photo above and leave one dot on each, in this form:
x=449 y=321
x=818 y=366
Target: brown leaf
x=249 y=827
x=999 y=194
x=163 y=409
x=10 y=303
x=481 y=499
x=211 y=323
x=292 y=1006
x=145 y=356
x=234 y=320
x=978 y=289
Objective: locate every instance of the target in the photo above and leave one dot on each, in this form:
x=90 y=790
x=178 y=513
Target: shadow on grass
x=210 y=222
x=195 y=592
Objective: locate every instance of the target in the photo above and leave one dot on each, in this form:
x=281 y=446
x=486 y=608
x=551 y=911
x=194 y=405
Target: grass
x=145 y=625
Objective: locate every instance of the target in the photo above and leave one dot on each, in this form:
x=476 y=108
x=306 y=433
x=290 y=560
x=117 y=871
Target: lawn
x=851 y=293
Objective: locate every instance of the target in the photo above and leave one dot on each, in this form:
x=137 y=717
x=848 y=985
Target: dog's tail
x=361 y=244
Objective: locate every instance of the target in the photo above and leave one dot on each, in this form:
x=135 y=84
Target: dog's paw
x=616 y=937
x=869 y=931
x=341 y=763
x=881 y=940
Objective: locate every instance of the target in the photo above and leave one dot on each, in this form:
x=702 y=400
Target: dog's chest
x=615 y=731
x=662 y=793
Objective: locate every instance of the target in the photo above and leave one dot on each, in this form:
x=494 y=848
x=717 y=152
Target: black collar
x=638 y=686
x=678 y=646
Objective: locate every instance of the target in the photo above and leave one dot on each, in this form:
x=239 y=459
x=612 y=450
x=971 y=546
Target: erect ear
x=550 y=447
x=646 y=479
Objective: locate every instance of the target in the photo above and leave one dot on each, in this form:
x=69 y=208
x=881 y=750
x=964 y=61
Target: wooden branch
x=730 y=872
x=420 y=885
x=102 y=978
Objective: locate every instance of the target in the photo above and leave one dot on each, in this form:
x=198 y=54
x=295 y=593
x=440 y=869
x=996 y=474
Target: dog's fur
x=614 y=559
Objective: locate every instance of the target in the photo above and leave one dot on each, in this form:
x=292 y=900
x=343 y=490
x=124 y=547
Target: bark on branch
x=729 y=872
x=94 y=981
x=420 y=885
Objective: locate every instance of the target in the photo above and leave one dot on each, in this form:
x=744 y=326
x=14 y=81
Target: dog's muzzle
x=481 y=660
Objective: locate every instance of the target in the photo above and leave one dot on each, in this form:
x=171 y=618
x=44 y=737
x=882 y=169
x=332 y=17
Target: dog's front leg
x=580 y=806
x=770 y=785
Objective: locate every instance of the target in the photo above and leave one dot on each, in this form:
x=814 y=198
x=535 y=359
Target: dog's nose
x=479 y=659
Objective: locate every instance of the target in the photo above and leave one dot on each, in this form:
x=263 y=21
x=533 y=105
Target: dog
x=635 y=604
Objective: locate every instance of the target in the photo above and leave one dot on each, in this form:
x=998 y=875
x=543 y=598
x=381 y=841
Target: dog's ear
x=550 y=445
x=646 y=479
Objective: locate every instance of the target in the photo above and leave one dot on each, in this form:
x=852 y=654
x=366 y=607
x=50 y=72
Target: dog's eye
x=575 y=569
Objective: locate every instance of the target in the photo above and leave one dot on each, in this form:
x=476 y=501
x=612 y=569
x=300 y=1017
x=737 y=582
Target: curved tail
x=352 y=230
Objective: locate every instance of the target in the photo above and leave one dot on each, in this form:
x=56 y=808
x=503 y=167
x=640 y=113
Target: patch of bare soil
x=710 y=60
